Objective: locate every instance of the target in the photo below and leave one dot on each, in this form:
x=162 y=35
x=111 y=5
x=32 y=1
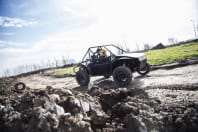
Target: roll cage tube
x=105 y=46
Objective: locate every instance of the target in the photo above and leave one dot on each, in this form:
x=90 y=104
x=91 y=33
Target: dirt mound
x=122 y=109
x=6 y=85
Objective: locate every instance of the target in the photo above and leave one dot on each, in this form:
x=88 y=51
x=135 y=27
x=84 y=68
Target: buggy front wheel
x=82 y=77
x=144 y=70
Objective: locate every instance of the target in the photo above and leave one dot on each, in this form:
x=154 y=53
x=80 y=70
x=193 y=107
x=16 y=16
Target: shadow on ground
x=110 y=84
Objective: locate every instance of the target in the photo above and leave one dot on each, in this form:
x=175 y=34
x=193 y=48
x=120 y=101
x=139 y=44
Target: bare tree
x=49 y=64
x=56 y=62
x=197 y=28
x=127 y=49
x=121 y=47
x=146 y=47
x=19 y=69
x=172 y=41
x=26 y=68
x=137 y=47
x=35 y=67
x=194 y=27
x=6 y=72
x=15 y=71
x=64 y=61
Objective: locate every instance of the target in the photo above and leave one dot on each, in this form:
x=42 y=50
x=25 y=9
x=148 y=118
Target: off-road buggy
x=107 y=60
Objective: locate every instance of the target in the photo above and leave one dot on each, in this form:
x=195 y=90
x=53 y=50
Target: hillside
x=172 y=54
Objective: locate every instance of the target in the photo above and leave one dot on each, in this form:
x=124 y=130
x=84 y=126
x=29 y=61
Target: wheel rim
x=121 y=76
x=20 y=86
x=143 y=70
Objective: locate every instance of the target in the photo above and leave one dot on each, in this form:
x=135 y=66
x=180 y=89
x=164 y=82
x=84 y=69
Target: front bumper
x=143 y=63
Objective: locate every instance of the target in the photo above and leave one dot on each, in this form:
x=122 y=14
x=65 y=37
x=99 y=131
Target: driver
x=102 y=53
x=102 y=56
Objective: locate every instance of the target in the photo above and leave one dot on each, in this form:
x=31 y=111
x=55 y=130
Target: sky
x=34 y=31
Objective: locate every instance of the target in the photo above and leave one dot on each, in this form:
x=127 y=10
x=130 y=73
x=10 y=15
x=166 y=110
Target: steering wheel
x=96 y=55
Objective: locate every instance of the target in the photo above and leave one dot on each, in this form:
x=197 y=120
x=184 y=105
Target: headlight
x=141 y=58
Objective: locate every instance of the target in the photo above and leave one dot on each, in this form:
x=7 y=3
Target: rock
x=48 y=122
x=110 y=98
x=72 y=105
x=73 y=124
x=85 y=106
x=12 y=121
x=122 y=109
x=54 y=108
x=6 y=109
x=95 y=91
x=98 y=120
x=40 y=93
x=178 y=121
x=122 y=92
x=39 y=101
x=133 y=124
x=59 y=91
x=83 y=126
x=54 y=98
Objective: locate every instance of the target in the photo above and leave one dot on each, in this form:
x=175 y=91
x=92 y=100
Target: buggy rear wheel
x=122 y=75
x=82 y=77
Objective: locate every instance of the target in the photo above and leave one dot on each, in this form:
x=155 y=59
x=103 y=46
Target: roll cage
x=92 y=50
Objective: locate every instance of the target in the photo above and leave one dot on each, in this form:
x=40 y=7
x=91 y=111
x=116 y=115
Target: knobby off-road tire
x=82 y=78
x=20 y=86
x=144 y=70
x=122 y=75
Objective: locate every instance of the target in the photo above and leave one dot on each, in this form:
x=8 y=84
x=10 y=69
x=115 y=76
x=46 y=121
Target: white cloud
x=136 y=21
x=115 y=21
x=6 y=33
x=15 y=22
x=8 y=44
x=133 y=22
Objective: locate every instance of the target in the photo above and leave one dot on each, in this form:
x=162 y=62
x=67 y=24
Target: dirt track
x=157 y=78
x=164 y=100
x=178 y=83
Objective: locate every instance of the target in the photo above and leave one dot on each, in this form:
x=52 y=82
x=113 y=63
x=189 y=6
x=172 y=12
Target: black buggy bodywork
x=117 y=62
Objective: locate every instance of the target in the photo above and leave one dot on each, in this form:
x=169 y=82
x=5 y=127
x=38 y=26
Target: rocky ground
x=164 y=100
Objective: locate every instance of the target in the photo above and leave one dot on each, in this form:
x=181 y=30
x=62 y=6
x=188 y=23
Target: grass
x=61 y=71
x=155 y=57
x=172 y=54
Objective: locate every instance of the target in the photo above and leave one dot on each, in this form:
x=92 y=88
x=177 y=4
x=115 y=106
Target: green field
x=172 y=54
x=61 y=71
x=155 y=57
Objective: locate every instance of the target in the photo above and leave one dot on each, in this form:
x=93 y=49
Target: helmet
x=102 y=52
